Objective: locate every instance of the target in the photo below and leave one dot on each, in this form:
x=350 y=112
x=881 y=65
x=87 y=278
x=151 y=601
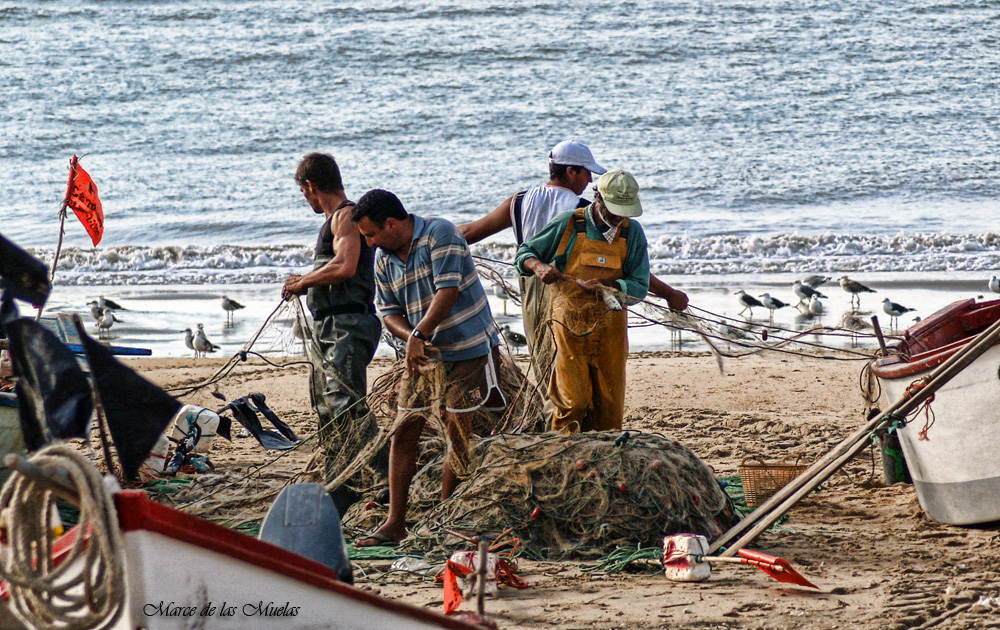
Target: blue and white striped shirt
x=439 y=258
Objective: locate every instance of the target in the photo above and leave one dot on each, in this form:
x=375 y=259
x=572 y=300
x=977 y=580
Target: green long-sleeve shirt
x=543 y=246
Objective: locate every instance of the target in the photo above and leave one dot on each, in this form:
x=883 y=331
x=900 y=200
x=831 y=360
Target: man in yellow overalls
x=582 y=254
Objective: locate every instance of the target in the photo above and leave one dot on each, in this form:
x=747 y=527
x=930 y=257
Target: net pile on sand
x=579 y=495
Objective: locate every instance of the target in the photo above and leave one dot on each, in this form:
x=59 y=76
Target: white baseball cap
x=573 y=153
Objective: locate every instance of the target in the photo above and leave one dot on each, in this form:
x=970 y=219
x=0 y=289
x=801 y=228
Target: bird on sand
x=815 y=306
x=894 y=310
x=201 y=342
x=229 y=306
x=816 y=281
x=805 y=291
x=748 y=301
x=105 y=322
x=515 y=339
x=995 y=284
x=95 y=309
x=772 y=304
x=189 y=340
x=854 y=288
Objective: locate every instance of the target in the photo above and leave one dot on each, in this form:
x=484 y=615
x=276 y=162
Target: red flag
x=81 y=196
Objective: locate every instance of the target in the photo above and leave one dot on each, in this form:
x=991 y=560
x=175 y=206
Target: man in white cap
x=579 y=254
x=571 y=169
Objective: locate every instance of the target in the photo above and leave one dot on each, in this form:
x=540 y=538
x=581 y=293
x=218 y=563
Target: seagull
x=105 y=322
x=854 y=288
x=201 y=342
x=109 y=304
x=995 y=284
x=815 y=306
x=501 y=292
x=95 y=310
x=772 y=304
x=805 y=291
x=189 y=340
x=816 y=281
x=515 y=339
x=894 y=310
x=229 y=306
x=748 y=301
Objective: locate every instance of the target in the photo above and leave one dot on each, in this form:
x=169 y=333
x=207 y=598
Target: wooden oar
x=772 y=509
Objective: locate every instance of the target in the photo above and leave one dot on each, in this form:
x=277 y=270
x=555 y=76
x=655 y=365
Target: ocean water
x=771 y=139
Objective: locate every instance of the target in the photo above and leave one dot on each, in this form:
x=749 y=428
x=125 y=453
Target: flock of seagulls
x=102 y=310
x=807 y=290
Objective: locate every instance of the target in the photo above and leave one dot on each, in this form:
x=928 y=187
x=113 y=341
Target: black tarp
x=53 y=394
x=22 y=276
x=137 y=410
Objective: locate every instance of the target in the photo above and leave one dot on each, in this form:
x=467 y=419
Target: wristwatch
x=417 y=334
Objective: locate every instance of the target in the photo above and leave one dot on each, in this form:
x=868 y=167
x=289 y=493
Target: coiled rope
x=86 y=591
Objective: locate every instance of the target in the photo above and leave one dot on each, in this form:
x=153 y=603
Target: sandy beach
x=879 y=561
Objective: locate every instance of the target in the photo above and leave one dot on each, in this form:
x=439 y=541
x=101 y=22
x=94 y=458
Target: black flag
x=137 y=411
x=53 y=394
x=22 y=275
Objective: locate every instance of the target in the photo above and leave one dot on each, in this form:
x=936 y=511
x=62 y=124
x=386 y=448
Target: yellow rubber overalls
x=587 y=386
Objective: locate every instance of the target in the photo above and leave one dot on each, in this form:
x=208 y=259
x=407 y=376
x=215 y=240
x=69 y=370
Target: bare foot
x=377 y=539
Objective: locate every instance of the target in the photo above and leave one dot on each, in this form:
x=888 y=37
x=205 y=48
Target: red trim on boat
x=61 y=547
x=136 y=512
x=930 y=342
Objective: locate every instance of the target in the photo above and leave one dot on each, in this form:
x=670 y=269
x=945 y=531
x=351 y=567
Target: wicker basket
x=762 y=479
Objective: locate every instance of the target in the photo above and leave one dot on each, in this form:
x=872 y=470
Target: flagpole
x=62 y=226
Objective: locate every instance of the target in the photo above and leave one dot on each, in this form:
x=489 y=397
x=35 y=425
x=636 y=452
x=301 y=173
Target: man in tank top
x=340 y=293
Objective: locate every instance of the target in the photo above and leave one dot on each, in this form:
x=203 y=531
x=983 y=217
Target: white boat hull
x=956 y=469
x=182 y=572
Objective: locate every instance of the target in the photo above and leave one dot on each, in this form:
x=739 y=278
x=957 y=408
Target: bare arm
x=495 y=221
x=678 y=300
x=346 y=247
x=544 y=271
x=418 y=350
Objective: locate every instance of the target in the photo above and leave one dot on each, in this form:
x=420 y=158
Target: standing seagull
x=515 y=339
x=815 y=306
x=105 y=322
x=109 y=304
x=229 y=306
x=189 y=340
x=501 y=292
x=894 y=310
x=816 y=281
x=95 y=310
x=994 y=284
x=748 y=301
x=772 y=304
x=201 y=342
x=854 y=288
x=805 y=291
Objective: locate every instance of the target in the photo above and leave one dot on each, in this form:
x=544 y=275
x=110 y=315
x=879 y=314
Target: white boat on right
x=952 y=451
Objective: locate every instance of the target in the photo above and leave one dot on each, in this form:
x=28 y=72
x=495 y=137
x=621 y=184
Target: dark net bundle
x=577 y=495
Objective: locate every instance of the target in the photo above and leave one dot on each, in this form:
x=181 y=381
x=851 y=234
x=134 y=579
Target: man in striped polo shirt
x=429 y=294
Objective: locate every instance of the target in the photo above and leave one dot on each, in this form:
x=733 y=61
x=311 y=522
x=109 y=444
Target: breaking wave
x=792 y=253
